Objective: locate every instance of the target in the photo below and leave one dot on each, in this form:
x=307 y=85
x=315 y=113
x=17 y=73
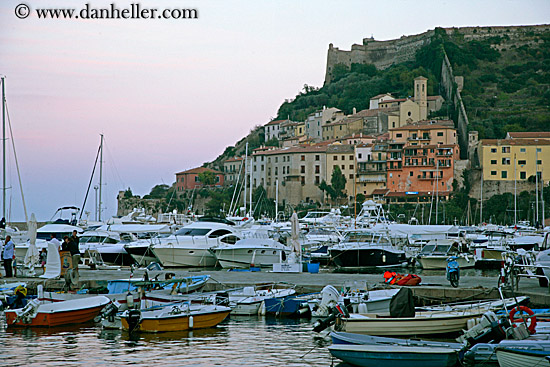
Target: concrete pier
x=433 y=289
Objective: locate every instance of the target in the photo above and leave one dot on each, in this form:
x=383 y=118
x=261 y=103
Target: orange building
x=188 y=180
x=420 y=162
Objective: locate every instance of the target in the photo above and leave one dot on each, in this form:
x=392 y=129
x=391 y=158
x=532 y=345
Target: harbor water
x=238 y=341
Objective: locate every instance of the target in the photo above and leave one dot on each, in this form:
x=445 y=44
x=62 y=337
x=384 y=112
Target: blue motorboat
x=290 y=306
x=376 y=355
x=339 y=337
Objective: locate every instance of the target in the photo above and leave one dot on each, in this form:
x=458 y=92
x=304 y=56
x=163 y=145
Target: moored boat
x=48 y=314
x=178 y=317
x=508 y=357
x=366 y=355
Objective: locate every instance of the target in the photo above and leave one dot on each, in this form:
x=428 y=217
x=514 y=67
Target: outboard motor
x=109 y=312
x=337 y=311
x=134 y=319
x=222 y=299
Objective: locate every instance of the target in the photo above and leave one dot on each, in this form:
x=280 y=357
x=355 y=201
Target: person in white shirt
x=55 y=241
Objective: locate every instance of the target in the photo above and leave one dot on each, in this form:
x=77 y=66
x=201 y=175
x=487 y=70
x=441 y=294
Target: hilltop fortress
x=384 y=54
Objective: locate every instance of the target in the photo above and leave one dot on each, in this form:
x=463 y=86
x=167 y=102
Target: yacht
x=435 y=253
x=43 y=235
x=366 y=248
x=262 y=252
x=189 y=247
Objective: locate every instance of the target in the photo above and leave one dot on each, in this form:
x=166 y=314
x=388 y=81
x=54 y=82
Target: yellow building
x=343 y=156
x=501 y=157
x=299 y=129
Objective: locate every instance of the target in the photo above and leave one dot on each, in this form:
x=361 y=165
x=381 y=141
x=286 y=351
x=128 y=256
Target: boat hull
x=184 y=257
x=179 y=322
x=366 y=257
x=408 y=326
x=395 y=356
x=522 y=358
x=61 y=313
x=429 y=262
x=245 y=258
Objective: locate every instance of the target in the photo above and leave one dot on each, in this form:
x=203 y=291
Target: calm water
x=238 y=341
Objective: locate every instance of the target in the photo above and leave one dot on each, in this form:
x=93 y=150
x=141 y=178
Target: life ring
x=532 y=325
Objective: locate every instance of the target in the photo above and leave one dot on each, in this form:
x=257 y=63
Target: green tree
x=338 y=182
x=158 y=192
x=128 y=193
x=208 y=178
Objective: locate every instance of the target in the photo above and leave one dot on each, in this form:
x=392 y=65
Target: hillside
x=506 y=79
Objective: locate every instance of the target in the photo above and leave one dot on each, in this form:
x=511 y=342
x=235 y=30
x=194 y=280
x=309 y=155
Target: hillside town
x=393 y=153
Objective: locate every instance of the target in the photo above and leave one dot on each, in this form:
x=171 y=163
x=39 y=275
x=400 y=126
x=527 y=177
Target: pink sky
x=171 y=94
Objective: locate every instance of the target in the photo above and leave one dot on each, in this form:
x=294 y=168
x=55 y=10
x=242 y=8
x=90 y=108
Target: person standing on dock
x=8 y=255
x=55 y=241
x=74 y=243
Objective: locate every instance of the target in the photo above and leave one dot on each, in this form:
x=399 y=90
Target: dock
x=434 y=289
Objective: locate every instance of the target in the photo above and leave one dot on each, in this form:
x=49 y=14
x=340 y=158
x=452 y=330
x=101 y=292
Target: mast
x=3 y=148
x=541 y=195
x=515 y=194
x=276 y=198
x=245 y=173
x=100 y=178
x=250 y=193
x=537 y=184
x=436 y=187
x=481 y=200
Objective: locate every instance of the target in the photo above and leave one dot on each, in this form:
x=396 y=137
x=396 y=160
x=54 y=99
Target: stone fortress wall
x=384 y=54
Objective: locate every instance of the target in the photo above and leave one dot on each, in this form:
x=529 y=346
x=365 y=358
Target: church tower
x=421 y=96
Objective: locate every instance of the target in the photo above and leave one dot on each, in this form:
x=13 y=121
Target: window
x=398 y=135
x=522 y=150
x=303 y=169
x=317 y=169
x=522 y=175
x=343 y=167
x=303 y=180
x=351 y=166
x=262 y=166
x=505 y=149
x=538 y=150
x=539 y=161
x=493 y=173
x=276 y=170
x=335 y=158
x=521 y=162
x=317 y=180
x=393 y=124
x=351 y=176
x=504 y=174
x=411 y=173
x=254 y=169
x=505 y=161
x=351 y=158
x=493 y=150
x=317 y=158
x=440 y=133
x=493 y=161
x=343 y=157
x=284 y=170
x=303 y=158
x=359 y=155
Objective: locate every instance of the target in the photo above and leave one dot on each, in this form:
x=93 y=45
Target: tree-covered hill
x=506 y=81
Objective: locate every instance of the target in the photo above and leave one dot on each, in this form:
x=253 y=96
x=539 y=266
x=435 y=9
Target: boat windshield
x=436 y=249
x=97 y=239
x=192 y=232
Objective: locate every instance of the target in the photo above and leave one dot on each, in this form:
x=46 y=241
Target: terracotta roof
x=395 y=100
x=340 y=148
x=381 y=95
x=234 y=159
x=432 y=98
x=380 y=191
x=420 y=193
x=199 y=170
x=519 y=142
x=299 y=149
x=528 y=135
x=420 y=78
x=276 y=122
x=427 y=125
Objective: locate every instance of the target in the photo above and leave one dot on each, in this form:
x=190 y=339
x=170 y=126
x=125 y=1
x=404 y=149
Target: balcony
x=371 y=179
x=419 y=138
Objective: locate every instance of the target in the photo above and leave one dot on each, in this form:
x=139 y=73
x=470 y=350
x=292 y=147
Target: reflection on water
x=239 y=341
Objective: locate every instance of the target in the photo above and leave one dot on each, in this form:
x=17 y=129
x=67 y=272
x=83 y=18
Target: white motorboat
x=189 y=247
x=262 y=252
x=43 y=235
x=248 y=300
x=435 y=253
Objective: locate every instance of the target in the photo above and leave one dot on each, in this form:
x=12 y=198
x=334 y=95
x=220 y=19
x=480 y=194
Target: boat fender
x=362 y=308
x=190 y=322
x=129 y=300
x=533 y=319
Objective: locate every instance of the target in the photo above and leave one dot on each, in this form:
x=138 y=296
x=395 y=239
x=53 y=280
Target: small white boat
x=424 y=323
x=248 y=300
x=435 y=253
x=250 y=252
x=508 y=357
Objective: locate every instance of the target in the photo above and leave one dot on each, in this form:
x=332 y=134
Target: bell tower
x=421 y=96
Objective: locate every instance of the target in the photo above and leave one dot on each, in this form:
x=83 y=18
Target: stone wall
x=384 y=54
x=495 y=187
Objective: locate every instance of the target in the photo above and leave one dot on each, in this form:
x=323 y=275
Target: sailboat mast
x=245 y=175
x=100 y=178
x=3 y=148
x=537 y=184
x=515 y=194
